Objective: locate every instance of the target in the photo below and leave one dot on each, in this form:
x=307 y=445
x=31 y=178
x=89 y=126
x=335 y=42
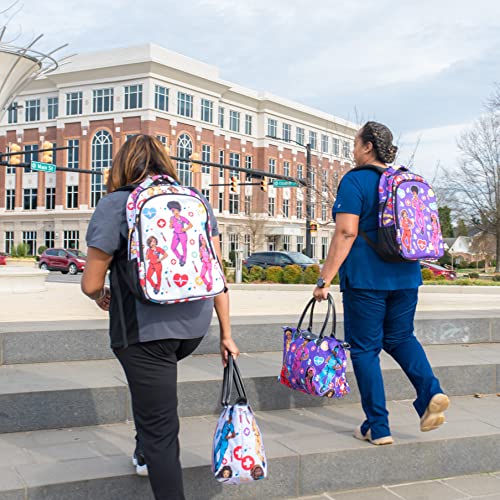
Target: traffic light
x=234 y=184
x=195 y=167
x=313 y=226
x=263 y=184
x=47 y=156
x=105 y=175
x=16 y=159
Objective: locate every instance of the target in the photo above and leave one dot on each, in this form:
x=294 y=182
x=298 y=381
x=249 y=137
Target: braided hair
x=381 y=138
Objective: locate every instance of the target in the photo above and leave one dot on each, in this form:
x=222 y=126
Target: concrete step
x=310 y=451
x=79 y=393
x=47 y=342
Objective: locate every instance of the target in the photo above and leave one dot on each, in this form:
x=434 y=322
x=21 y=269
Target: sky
x=424 y=68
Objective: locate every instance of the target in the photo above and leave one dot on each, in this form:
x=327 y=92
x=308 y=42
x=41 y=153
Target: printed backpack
x=408 y=220
x=171 y=258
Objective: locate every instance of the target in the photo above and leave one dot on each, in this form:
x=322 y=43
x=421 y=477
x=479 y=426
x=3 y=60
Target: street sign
x=282 y=183
x=43 y=167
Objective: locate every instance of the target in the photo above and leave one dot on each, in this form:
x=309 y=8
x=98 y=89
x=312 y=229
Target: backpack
x=171 y=258
x=408 y=220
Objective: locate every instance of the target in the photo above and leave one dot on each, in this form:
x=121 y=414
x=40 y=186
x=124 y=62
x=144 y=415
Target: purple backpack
x=408 y=220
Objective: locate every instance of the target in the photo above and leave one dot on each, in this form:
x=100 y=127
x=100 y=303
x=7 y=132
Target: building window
x=30 y=198
x=335 y=146
x=286 y=206
x=221 y=202
x=162 y=139
x=29 y=238
x=324 y=181
x=312 y=211
x=324 y=247
x=9 y=242
x=30 y=155
x=346 y=149
x=234 y=161
x=50 y=239
x=300 y=135
x=74 y=103
x=286 y=168
x=10 y=199
x=272 y=166
x=270 y=208
x=12 y=116
x=207 y=111
x=286 y=243
x=313 y=247
x=161 y=98
x=184 y=104
x=71 y=196
x=72 y=239
x=248 y=205
x=73 y=153
x=32 y=110
x=300 y=243
x=324 y=212
x=221 y=117
x=206 y=194
x=206 y=155
x=133 y=96
x=272 y=127
x=299 y=209
x=103 y=100
x=324 y=144
x=52 y=108
x=184 y=150
x=300 y=171
x=234 y=120
x=248 y=124
x=221 y=161
x=313 y=140
x=102 y=153
x=234 y=203
x=50 y=198
x=248 y=164
x=246 y=245
x=287 y=132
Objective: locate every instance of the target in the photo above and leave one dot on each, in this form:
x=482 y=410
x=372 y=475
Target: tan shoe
x=434 y=414
x=368 y=437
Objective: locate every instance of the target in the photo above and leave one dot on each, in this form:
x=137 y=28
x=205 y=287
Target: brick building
x=102 y=98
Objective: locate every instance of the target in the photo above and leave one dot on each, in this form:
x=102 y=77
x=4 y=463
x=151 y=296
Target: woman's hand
x=227 y=347
x=320 y=293
x=104 y=301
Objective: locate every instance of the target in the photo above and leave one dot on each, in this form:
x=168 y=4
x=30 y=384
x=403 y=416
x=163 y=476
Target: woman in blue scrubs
x=379 y=297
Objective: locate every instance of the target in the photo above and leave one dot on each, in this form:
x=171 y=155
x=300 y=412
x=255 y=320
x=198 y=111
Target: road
x=58 y=277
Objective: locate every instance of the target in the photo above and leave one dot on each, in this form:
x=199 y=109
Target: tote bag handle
x=330 y=311
x=232 y=376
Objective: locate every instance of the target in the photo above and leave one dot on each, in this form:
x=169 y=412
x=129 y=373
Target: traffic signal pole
x=308 y=200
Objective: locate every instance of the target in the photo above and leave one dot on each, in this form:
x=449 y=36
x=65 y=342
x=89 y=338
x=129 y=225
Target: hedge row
x=289 y=274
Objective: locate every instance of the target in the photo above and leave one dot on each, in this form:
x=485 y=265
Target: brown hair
x=381 y=138
x=141 y=156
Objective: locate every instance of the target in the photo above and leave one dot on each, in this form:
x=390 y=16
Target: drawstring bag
x=313 y=363
x=238 y=452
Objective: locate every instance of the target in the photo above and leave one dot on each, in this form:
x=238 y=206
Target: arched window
x=184 y=149
x=102 y=154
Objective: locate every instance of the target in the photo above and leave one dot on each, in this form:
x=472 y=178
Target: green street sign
x=43 y=167
x=281 y=183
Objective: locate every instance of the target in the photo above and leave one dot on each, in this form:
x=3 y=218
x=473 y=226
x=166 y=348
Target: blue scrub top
x=363 y=268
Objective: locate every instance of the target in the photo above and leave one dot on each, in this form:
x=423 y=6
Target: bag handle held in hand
x=232 y=375
x=331 y=308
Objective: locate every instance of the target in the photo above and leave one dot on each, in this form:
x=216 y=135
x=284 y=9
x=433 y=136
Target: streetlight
x=308 y=189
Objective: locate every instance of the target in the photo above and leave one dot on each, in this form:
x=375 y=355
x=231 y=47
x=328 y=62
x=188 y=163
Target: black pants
x=151 y=371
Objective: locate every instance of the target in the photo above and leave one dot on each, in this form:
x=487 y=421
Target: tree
x=461 y=229
x=253 y=225
x=483 y=246
x=444 y=213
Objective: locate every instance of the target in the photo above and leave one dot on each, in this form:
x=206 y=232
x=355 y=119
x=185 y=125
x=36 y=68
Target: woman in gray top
x=148 y=339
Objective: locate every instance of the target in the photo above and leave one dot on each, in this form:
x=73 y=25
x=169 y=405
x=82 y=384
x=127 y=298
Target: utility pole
x=308 y=200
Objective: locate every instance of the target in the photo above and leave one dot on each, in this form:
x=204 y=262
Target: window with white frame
x=30 y=155
x=324 y=211
x=72 y=239
x=184 y=150
x=74 y=103
x=287 y=132
x=73 y=153
x=29 y=238
x=246 y=245
x=286 y=207
x=234 y=203
x=50 y=239
x=161 y=98
x=300 y=243
x=102 y=100
x=313 y=247
x=221 y=117
x=9 y=170
x=300 y=135
x=52 y=108
x=299 y=209
x=324 y=247
x=346 y=147
x=184 y=104
x=312 y=211
x=133 y=96
x=313 y=139
x=234 y=161
x=336 y=146
x=272 y=165
x=162 y=139
x=286 y=243
x=71 y=196
x=50 y=198
x=207 y=111
x=10 y=199
x=102 y=154
x=324 y=144
x=300 y=171
x=324 y=181
x=272 y=127
x=9 y=242
x=271 y=206
x=12 y=113
x=30 y=196
x=234 y=120
x=206 y=155
x=221 y=202
x=248 y=164
x=32 y=109
x=248 y=204
x=206 y=194
x=286 y=168
x=221 y=161
x=248 y=124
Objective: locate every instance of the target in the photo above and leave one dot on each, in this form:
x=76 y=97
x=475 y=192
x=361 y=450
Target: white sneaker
x=368 y=437
x=140 y=465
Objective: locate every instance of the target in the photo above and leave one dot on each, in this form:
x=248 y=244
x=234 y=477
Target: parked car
x=438 y=270
x=65 y=260
x=281 y=259
x=3 y=259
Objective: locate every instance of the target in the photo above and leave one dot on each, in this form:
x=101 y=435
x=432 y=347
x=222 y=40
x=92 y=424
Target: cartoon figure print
x=407 y=225
x=206 y=266
x=331 y=366
x=180 y=225
x=419 y=207
x=224 y=435
x=309 y=380
x=258 y=442
x=154 y=255
x=436 y=230
x=225 y=473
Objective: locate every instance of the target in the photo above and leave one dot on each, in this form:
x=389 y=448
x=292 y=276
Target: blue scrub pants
x=376 y=320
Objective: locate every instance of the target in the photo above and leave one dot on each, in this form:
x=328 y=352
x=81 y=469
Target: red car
x=438 y=270
x=65 y=260
x=3 y=259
